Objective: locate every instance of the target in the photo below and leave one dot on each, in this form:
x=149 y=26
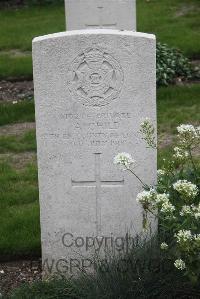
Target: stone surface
x=94 y=14
x=92 y=90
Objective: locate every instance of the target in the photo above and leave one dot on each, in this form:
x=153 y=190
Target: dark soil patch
x=14 y=274
x=11 y=4
x=16 y=4
x=15 y=91
x=180 y=82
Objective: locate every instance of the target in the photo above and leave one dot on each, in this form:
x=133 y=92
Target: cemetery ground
x=19 y=207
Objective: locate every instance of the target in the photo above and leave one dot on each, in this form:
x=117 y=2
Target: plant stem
x=144 y=185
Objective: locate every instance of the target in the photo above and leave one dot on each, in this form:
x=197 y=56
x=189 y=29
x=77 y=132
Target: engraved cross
x=100 y=24
x=98 y=183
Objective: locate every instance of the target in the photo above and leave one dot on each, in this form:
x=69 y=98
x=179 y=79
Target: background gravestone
x=92 y=90
x=92 y=14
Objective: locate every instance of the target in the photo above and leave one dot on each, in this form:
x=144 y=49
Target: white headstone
x=92 y=90
x=98 y=14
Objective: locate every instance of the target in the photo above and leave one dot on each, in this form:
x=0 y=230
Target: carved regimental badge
x=95 y=77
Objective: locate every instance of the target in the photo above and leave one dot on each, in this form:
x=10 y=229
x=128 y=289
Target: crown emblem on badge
x=94 y=56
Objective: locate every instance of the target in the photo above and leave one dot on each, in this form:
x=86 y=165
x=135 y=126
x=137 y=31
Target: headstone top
x=94 y=32
x=93 y=14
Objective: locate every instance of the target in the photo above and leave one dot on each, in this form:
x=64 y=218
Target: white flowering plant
x=175 y=200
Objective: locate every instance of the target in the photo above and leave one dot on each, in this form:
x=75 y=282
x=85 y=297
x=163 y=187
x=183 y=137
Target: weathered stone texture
x=92 y=90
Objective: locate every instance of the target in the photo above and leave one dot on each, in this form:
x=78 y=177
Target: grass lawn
x=177 y=105
x=175 y=22
x=19 y=27
x=20 y=112
x=18 y=144
x=12 y=66
x=19 y=209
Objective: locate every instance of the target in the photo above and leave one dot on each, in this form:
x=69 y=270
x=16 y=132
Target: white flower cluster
x=161 y=172
x=179 y=264
x=183 y=236
x=164 y=246
x=196 y=211
x=186 y=238
x=180 y=154
x=186 y=129
x=162 y=201
x=148 y=131
x=192 y=210
x=188 y=134
x=124 y=160
x=162 y=198
x=146 y=197
x=186 y=210
x=154 y=200
x=167 y=207
x=186 y=189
